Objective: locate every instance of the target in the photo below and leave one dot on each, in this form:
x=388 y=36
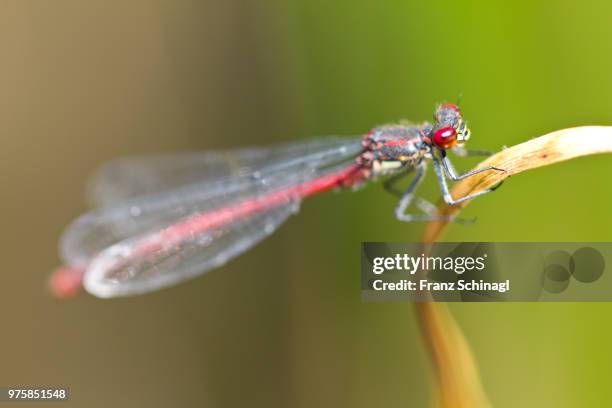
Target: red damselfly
x=161 y=220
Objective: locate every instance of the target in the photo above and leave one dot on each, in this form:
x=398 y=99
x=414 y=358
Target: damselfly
x=165 y=219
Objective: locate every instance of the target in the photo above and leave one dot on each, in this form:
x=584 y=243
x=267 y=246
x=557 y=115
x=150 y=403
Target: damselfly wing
x=165 y=219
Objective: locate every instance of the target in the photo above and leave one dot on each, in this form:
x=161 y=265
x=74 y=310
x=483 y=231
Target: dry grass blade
x=457 y=380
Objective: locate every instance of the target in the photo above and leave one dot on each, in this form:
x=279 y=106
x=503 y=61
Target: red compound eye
x=445 y=138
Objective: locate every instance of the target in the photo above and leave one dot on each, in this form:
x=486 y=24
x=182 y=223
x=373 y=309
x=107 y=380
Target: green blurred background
x=283 y=325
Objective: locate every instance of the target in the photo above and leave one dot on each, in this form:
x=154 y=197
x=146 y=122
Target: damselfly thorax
x=390 y=149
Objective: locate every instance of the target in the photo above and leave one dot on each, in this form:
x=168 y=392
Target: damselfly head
x=450 y=129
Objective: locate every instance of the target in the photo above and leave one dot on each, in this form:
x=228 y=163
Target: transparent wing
x=161 y=200
x=123 y=270
x=112 y=239
x=126 y=178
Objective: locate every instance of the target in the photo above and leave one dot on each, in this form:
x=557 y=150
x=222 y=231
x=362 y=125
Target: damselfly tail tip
x=66 y=281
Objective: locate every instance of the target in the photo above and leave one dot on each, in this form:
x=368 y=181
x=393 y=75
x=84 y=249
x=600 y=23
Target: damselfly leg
x=452 y=173
x=424 y=205
x=390 y=184
x=407 y=197
x=448 y=167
